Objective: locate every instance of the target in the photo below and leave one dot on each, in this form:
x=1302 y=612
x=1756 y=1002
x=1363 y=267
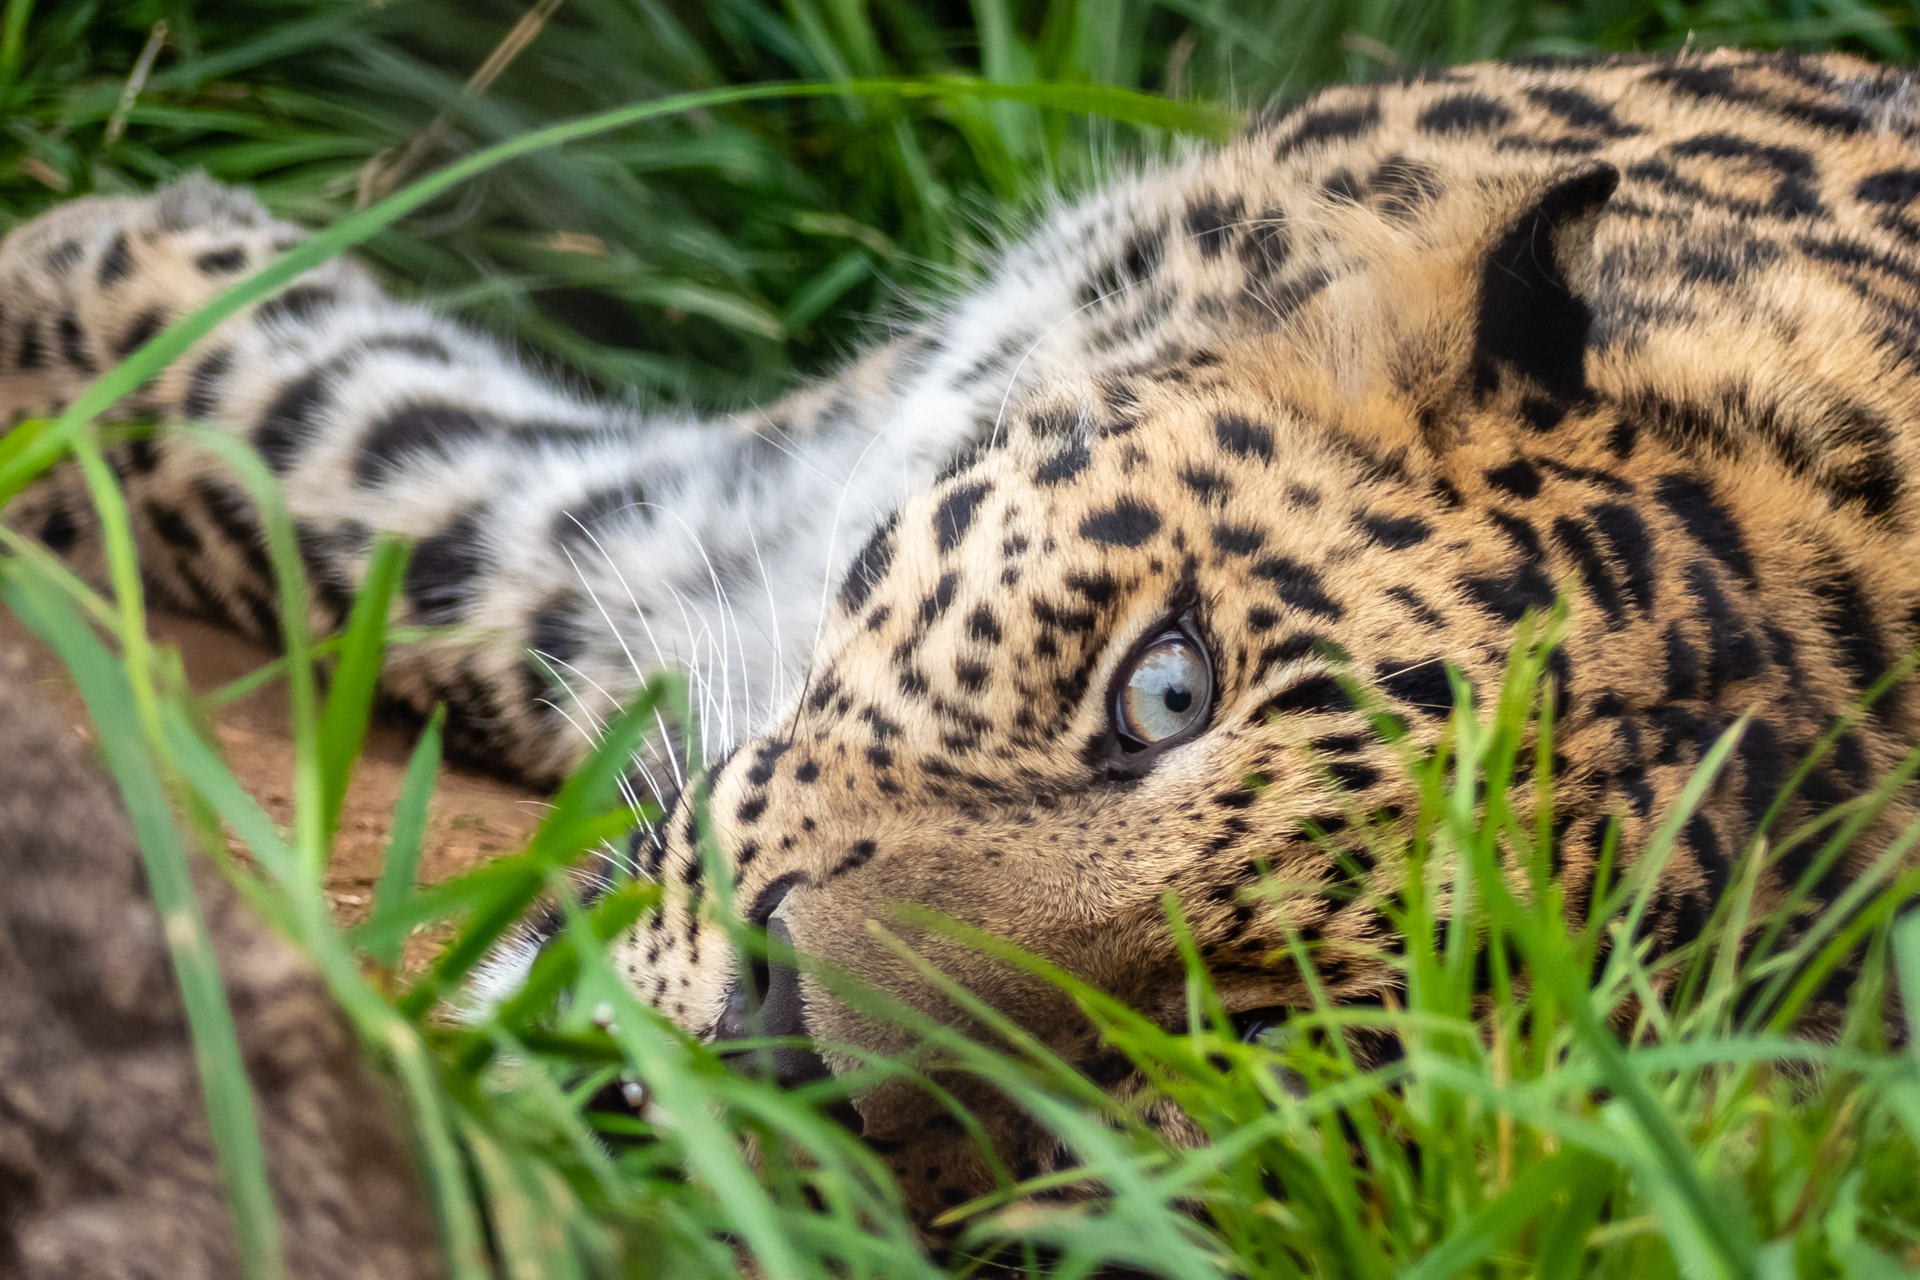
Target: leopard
x=1087 y=588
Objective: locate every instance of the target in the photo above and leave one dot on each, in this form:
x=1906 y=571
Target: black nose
x=766 y=1001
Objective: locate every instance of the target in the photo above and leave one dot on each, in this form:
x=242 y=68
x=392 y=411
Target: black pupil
x=1177 y=698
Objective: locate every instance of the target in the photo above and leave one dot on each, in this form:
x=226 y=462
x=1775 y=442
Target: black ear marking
x=1531 y=320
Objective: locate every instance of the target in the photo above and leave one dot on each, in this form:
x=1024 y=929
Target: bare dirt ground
x=473 y=818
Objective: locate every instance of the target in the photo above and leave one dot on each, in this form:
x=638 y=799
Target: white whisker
x=618 y=636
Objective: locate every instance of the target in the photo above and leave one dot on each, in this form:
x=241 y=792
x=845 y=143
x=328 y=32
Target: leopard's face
x=1108 y=661
x=1098 y=666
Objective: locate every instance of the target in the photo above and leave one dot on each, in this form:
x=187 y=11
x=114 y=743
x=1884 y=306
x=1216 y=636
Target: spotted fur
x=1374 y=380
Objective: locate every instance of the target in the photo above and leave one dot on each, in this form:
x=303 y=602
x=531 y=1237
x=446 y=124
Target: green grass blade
x=1906 y=961
x=1498 y=1220
x=356 y=678
x=400 y=868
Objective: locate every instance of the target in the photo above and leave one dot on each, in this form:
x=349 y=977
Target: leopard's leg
x=569 y=547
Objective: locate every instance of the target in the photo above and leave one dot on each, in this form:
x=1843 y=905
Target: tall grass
x=1575 y=1127
x=711 y=257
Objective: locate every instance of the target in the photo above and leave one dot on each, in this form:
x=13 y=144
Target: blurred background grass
x=711 y=258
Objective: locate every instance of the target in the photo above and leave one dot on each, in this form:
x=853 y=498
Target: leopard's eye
x=1165 y=691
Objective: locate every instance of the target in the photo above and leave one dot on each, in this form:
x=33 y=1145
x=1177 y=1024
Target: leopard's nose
x=766 y=1002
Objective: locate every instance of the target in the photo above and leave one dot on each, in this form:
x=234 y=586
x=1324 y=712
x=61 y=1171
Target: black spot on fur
x=1342 y=185
x=1238 y=539
x=31 y=354
x=1098 y=588
x=954 y=516
x=232 y=513
x=1542 y=415
x=1353 y=775
x=1242 y=437
x=1721 y=85
x=1127 y=523
x=442 y=573
x=553 y=633
x=419 y=345
x=1706 y=522
x=1848 y=617
x=1265 y=249
x=1733 y=652
x=289 y=422
x=202 y=401
x=765 y=761
x=58 y=532
x=1403 y=187
x=1206 y=485
x=1331 y=124
x=1574 y=538
x=1762 y=769
x=1137 y=260
x=1465 y=113
x=1627 y=536
x=1682 y=665
x=1315 y=693
x=1422 y=685
x=63 y=256
x=1510 y=595
x=1581 y=111
x=858 y=855
x=579 y=520
x=1209 y=222
x=1519 y=478
x=413 y=430
x=116 y=264
x=1064 y=465
x=172 y=528
x=73 y=344
x=1525 y=538
x=939 y=600
x=1395 y=533
x=1299 y=586
x=221 y=262
x=298 y=304
x=869 y=567
x=1425 y=614
x=144 y=326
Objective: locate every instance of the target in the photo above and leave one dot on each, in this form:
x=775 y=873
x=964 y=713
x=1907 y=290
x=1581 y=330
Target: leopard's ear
x=1532 y=319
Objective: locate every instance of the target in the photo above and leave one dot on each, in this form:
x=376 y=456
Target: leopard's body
x=1374 y=379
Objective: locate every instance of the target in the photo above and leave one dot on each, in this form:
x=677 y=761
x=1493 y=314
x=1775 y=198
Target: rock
x=107 y=1166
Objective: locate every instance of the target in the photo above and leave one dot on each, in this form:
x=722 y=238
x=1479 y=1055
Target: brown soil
x=473 y=818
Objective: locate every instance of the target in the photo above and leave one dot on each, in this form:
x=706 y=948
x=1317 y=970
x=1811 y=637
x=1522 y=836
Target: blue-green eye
x=1165 y=692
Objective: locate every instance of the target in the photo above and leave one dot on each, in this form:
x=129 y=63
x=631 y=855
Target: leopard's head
x=1108 y=658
